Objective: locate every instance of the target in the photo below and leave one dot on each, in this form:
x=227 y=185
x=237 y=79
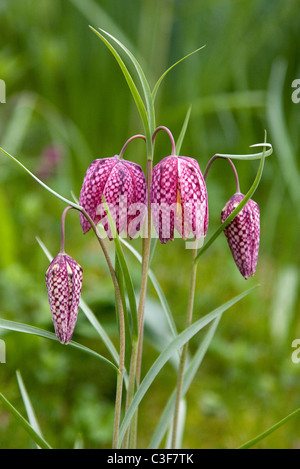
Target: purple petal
x=193 y=196
x=243 y=234
x=138 y=209
x=118 y=195
x=163 y=196
x=64 y=282
x=92 y=188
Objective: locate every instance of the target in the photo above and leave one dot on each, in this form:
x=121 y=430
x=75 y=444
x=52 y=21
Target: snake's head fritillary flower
x=243 y=234
x=64 y=282
x=122 y=184
x=178 y=198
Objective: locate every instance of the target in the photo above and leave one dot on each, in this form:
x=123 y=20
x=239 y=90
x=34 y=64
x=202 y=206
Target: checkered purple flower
x=123 y=186
x=243 y=234
x=64 y=282
x=178 y=198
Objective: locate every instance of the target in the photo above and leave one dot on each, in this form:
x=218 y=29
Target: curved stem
x=120 y=377
x=162 y=127
x=183 y=357
x=233 y=214
x=127 y=143
x=63 y=219
x=211 y=161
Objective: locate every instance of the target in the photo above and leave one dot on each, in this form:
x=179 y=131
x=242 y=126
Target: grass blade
x=134 y=91
x=69 y=202
x=26 y=425
x=167 y=415
x=125 y=270
x=158 y=83
x=29 y=409
x=272 y=429
x=183 y=131
x=167 y=353
x=143 y=80
x=28 y=329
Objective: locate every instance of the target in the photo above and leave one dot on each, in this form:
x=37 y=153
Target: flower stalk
x=120 y=377
x=183 y=356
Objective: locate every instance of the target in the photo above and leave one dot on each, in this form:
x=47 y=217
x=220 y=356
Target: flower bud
x=178 y=198
x=64 y=282
x=243 y=234
x=123 y=186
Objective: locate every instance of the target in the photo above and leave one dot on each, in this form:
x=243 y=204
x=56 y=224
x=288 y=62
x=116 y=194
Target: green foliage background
x=64 y=89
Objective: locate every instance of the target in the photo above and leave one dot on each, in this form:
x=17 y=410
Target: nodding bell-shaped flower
x=178 y=198
x=64 y=282
x=243 y=234
x=123 y=186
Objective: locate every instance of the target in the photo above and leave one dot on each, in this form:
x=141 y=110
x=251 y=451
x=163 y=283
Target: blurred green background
x=67 y=103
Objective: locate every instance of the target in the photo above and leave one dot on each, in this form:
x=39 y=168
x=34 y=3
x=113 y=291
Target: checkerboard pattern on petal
x=64 y=283
x=122 y=184
x=178 y=198
x=243 y=234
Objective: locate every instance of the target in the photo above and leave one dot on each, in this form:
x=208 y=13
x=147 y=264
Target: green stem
x=183 y=356
x=145 y=268
x=136 y=358
x=120 y=378
x=215 y=157
x=131 y=388
x=127 y=143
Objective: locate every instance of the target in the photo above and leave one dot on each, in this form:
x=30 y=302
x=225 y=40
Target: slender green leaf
x=143 y=80
x=167 y=353
x=167 y=415
x=270 y=430
x=134 y=91
x=180 y=429
x=158 y=289
x=157 y=85
x=28 y=329
x=183 y=131
x=128 y=335
x=28 y=406
x=253 y=156
x=69 y=202
x=26 y=425
x=152 y=248
x=125 y=270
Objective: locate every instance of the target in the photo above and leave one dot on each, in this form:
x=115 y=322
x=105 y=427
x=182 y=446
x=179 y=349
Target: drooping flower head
x=178 y=198
x=123 y=186
x=64 y=282
x=243 y=234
